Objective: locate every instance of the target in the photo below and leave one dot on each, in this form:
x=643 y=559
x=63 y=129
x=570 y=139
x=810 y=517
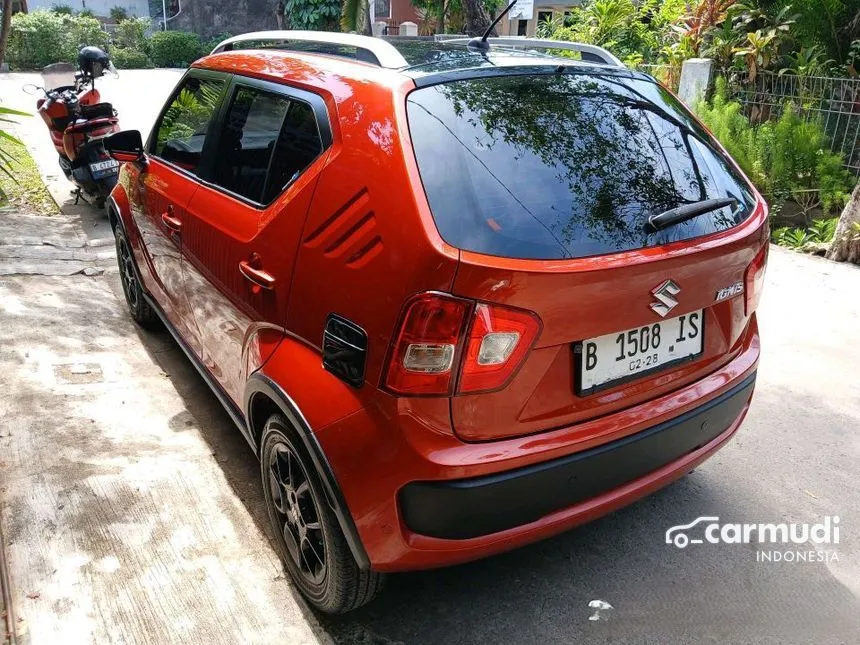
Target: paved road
x=794 y=460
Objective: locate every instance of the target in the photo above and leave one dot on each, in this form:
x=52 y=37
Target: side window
x=183 y=127
x=298 y=145
x=267 y=140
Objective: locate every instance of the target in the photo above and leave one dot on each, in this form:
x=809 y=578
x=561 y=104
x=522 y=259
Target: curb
x=6 y=591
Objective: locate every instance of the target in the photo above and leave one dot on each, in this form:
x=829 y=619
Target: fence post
x=697 y=74
x=378 y=27
x=408 y=28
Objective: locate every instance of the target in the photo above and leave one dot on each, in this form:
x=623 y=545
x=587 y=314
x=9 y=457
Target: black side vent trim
x=345 y=349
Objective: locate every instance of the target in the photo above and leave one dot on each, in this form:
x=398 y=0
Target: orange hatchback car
x=456 y=300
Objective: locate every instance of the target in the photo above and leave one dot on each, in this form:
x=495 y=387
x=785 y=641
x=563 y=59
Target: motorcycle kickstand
x=77 y=194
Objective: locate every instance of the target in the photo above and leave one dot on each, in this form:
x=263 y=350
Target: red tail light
x=442 y=337
x=754 y=280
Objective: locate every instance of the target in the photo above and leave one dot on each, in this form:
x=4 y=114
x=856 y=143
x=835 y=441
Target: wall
x=139 y=8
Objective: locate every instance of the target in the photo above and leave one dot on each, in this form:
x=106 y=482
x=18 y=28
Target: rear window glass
x=565 y=165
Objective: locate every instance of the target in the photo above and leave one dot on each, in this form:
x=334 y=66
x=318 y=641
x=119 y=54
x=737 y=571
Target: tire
x=138 y=307
x=310 y=541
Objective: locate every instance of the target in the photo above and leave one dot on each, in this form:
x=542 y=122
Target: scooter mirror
x=29 y=88
x=125 y=146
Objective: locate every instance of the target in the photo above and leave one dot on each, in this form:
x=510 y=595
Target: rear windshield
x=565 y=165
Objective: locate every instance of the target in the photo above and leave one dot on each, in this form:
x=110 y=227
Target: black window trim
x=152 y=140
x=316 y=103
x=213 y=132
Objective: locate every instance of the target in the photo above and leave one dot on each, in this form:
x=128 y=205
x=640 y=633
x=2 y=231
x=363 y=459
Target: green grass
x=26 y=193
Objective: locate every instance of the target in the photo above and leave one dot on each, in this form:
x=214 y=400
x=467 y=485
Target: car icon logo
x=677 y=534
x=665 y=294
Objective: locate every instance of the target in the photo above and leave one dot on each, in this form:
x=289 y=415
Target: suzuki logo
x=665 y=294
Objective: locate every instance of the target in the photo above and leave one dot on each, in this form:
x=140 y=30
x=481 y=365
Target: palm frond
x=353 y=15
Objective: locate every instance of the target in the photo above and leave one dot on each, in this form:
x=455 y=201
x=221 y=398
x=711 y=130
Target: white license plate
x=611 y=359
x=104 y=165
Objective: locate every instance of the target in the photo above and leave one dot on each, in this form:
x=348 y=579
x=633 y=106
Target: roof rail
x=590 y=53
x=367 y=49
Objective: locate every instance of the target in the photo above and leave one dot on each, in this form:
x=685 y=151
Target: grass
x=26 y=193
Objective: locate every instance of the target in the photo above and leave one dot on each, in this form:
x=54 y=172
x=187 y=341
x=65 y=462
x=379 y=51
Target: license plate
x=606 y=361
x=104 y=167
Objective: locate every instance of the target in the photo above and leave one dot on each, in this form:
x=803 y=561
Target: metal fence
x=834 y=102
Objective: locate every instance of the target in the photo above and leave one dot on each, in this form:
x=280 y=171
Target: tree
x=355 y=16
x=845 y=246
x=6 y=27
x=477 y=18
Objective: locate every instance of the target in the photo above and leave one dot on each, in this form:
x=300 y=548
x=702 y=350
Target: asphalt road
x=794 y=460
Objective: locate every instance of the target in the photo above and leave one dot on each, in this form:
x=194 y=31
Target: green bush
x=83 y=31
x=131 y=34
x=37 y=39
x=129 y=58
x=175 y=48
x=44 y=37
x=787 y=159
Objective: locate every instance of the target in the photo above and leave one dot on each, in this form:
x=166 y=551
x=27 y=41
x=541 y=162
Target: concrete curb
x=6 y=591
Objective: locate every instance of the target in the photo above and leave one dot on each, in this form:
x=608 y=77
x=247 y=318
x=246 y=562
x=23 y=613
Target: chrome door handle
x=257 y=276
x=170 y=221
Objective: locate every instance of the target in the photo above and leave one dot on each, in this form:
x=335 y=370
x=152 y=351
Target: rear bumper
x=421 y=498
x=469 y=508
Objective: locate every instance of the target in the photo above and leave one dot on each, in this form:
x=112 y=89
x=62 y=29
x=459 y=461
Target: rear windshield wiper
x=682 y=213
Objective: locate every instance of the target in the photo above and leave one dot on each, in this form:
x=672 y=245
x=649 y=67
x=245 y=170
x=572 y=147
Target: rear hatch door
x=546 y=183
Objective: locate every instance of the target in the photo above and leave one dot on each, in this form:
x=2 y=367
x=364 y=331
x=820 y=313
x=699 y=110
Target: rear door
x=243 y=225
x=166 y=185
x=547 y=184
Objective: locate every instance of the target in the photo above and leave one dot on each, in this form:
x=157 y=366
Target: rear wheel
x=138 y=307
x=309 y=537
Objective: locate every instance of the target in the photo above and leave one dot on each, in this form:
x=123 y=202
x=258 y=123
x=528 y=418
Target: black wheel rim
x=297 y=513
x=127 y=275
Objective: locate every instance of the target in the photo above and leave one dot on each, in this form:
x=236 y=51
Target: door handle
x=170 y=221
x=256 y=275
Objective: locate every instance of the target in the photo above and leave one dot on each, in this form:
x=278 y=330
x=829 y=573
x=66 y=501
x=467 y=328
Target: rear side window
x=182 y=130
x=565 y=165
x=266 y=141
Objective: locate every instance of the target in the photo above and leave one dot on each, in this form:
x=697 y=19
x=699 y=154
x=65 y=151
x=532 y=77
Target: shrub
x=62 y=9
x=44 y=37
x=131 y=34
x=787 y=159
x=129 y=58
x=83 y=31
x=38 y=39
x=175 y=48
x=119 y=14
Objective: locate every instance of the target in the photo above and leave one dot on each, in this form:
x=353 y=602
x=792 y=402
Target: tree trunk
x=477 y=18
x=4 y=30
x=845 y=246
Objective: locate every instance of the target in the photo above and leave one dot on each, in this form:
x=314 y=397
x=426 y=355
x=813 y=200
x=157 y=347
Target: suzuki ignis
x=456 y=300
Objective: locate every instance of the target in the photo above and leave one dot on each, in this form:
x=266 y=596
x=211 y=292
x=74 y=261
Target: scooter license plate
x=104 y=168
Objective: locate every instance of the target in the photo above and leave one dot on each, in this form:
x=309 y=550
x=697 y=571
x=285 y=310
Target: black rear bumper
x=467 y=508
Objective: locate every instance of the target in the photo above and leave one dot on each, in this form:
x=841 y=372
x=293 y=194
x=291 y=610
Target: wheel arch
x=264 y=397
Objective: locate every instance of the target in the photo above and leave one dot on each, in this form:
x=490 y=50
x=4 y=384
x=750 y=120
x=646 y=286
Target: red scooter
x=78 y=123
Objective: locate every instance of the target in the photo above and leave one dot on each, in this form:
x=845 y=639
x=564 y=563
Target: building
x=393 y=12
x=527 y=27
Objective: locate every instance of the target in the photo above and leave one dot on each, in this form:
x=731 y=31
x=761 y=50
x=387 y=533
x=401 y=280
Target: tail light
x=447 y=345
x=754 y=280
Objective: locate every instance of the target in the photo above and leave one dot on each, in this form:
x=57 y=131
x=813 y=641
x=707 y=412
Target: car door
x=243 y=225
x=166 y=185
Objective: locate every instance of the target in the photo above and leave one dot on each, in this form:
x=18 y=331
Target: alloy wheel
x=297 y=512
x=127 y=274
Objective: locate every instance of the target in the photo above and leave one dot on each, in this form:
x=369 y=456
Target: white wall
x=139 y=8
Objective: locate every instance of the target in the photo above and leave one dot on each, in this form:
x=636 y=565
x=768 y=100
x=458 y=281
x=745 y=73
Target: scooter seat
x=97 y=111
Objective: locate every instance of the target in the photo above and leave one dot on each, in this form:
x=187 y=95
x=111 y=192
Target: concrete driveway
x=146 y=450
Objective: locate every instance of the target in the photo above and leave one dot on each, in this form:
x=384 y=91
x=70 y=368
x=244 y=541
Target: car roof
x=425 y=60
